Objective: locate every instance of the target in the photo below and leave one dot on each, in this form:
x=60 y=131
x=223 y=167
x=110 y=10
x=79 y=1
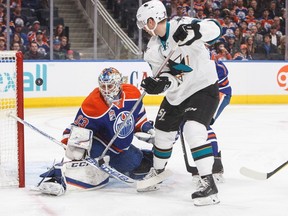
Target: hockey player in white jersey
x=190 y=82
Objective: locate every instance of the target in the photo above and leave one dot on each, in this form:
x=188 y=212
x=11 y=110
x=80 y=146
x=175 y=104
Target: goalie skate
x=51 y=188
x=207 y=193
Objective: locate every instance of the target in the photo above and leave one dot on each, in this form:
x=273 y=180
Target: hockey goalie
x=97 y=120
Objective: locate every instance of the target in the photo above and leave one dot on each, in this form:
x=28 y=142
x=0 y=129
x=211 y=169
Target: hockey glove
x=181 y=33
x=155 y=85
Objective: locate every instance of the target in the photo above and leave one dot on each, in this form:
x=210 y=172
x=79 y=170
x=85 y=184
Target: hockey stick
x=93 y=162
x=100 y=160
x=260 y=175
x=190 y=169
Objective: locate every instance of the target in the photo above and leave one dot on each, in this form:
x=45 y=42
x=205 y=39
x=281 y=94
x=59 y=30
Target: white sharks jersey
x=190 y=68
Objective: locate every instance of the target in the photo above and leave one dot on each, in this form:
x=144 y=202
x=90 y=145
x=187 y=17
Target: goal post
x=12 y=160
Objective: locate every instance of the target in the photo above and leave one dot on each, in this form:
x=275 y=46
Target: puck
x=39 y=81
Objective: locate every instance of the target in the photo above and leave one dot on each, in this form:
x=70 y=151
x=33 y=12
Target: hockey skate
x=207 y=193
x=218 y=169
x=55 y=184
x=52 y=187
x=152 y=173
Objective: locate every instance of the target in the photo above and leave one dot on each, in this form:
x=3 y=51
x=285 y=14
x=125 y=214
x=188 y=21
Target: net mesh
x=8 y=126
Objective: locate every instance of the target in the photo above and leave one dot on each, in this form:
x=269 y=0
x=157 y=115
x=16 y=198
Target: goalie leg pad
x=81 y=175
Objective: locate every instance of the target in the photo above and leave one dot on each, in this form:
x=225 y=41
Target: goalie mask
x=152 y=9
x=110 y=81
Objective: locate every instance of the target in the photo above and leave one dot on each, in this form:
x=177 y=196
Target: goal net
x=11 y=133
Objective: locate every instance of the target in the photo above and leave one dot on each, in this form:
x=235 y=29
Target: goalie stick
x=260 y=175
x=93 y=162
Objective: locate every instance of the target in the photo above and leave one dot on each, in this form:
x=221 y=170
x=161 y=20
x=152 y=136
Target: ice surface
x=251 y=136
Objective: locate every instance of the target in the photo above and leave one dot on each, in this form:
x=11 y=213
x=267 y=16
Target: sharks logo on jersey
x=128 y=127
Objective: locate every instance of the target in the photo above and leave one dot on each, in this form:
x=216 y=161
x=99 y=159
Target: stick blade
x=154 y=180
x=253 y=174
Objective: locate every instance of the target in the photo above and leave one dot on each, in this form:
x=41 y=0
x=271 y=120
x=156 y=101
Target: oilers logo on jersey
x=128 y=127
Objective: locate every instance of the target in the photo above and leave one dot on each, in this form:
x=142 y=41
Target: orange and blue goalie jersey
x=104 y=121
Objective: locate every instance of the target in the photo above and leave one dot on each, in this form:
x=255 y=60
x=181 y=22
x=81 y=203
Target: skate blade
x=210 y=200
x=149 y=189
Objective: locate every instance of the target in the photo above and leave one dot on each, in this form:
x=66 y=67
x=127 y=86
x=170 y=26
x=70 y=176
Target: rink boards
x=67 y=83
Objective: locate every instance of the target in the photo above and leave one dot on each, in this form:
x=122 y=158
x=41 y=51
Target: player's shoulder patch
x=94 y=105
x=131 y=91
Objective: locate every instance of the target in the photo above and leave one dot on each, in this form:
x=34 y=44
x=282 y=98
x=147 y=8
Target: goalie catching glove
x=79 y=143
x=183 y=33
x=155 y=85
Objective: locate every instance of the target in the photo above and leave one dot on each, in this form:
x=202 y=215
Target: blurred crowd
x=252 y=29
x=29 y=31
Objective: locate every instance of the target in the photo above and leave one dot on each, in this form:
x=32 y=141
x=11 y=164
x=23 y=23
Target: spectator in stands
x=58 y=54
x=250 y=46
x=228 y=24
x=280 y=28
x=263 y=5
x=240 y=10
x=217 y=16
x=2 y=43
x=43 y=47
x=275 y=38
x=258 y=38
x=33 y=53
x=70 y=55
x=232 y=48
x=274 y=10
x=32 y=34
x=265 y=20
x=15 y=3
x=220 y=52
x=65 y=45
x=180 y=11
x=239 y=39
x=208 y=8
x=2 y=14
x=243 y=54
x=281 y=47
x=19 y=30
x=16 y=38
x=267 y=49
x=244 y=28
x=199 y=4
x=250 y=18
x=17 y=47
x=17 y=17
x=200 y=14
x=261 y=30
x=257 y=11
x=59 y=32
